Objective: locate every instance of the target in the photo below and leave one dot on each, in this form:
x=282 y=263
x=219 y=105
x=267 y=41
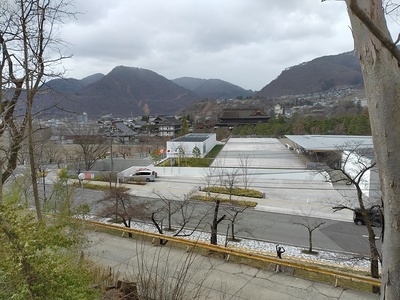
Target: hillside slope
x=212 y=88
x=318 y=75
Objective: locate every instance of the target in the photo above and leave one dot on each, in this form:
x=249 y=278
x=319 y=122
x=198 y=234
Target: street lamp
x=111 y=150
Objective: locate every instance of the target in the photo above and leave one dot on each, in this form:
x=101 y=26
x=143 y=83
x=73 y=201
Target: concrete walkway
x=210 y=277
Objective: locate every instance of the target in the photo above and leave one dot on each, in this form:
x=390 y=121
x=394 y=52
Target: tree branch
x=375 y=30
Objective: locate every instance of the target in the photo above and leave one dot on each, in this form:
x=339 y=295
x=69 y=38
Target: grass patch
x=199 y=162
x=224 y=200
x=234 y=192
x=98 y=187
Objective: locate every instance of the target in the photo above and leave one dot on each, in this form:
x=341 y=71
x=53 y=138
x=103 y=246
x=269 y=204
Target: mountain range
x=129 y=91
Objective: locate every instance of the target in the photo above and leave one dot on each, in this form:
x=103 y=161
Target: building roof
x=242 y=113
x=124 y=130
x=323 y=143
x=170 y=121
x=193 y=137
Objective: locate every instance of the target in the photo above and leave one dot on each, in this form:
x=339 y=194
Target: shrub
x=235 y=191
x=225 y=200
x=41 y=261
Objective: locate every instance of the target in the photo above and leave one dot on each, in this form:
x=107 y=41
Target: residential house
x=168 y=126
x=278 y=110
x=121 y=131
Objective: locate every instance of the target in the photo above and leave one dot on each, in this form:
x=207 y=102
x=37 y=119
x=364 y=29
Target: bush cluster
x=235 y=191
x=225 y=200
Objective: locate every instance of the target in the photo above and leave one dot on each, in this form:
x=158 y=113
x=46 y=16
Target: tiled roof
x=242 y=113
x=170 y=121
x=124 y=129
x=193 y=137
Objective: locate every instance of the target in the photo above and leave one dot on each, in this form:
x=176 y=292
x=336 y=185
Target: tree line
x=357 y=124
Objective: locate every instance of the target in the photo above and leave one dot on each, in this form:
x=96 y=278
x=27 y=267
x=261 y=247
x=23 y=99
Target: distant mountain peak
x=318 y=75
x=212 y=88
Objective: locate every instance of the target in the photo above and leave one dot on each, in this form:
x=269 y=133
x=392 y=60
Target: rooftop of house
x=125 y=130
x=169 y=121
x=242 y=113
x=194 y=137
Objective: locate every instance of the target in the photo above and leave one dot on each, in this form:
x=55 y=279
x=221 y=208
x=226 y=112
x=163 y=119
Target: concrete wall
x=121 y=164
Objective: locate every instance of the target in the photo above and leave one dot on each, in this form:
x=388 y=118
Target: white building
x=357 y=153
x=356 y=164
x=185 y=144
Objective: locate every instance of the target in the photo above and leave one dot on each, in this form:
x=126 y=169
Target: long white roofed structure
x=327 y=143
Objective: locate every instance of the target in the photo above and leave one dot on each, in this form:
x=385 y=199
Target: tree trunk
x=374 y=253
x=310 y=245
x=381 y=78
x=214 y=225
x=169 y=216
x=215 y=222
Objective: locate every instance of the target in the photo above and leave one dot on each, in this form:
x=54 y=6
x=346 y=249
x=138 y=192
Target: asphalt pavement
x=296 y=197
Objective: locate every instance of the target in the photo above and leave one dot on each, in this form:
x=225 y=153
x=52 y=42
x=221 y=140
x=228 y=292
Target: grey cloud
x=246 y=42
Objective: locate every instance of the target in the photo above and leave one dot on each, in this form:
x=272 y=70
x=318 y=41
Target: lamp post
x=111 y=151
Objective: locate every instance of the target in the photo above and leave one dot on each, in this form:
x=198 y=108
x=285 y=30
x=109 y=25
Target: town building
x=184 y=145
x=352 y=153
x=167 y=126
x=234 y=117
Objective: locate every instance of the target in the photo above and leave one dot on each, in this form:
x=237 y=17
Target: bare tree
x=216 y=220
x=210 y=175
x=41 y=136
x=91 y=144
x=380 y=57
x=119 y=204
x=350 y=164
x=245 y=162
x=229 y=180
x=28 y=39
x=185 y=210
x=125 y=150
x=233 y=211
x=311 y=224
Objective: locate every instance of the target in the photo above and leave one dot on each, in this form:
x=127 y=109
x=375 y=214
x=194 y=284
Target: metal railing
x=301 y=265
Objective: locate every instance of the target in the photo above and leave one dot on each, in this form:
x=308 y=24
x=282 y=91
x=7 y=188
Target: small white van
x=142 y=175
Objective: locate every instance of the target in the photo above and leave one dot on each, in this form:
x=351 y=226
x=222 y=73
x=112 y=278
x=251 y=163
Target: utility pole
x=111 y=151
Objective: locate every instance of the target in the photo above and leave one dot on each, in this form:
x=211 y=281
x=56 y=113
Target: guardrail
x=336 y=274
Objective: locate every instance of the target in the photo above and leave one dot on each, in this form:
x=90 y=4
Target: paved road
x=334 y=235
x=213 y=278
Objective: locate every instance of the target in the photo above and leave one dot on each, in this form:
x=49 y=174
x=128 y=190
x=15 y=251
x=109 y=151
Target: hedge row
x=234 y=192
x=225 y=200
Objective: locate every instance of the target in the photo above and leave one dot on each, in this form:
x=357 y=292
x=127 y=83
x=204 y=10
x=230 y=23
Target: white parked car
x=142 y=175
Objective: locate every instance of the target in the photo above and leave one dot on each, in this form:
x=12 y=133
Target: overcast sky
x=245 y=42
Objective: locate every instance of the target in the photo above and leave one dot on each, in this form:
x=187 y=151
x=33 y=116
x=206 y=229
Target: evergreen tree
x=184 y=127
